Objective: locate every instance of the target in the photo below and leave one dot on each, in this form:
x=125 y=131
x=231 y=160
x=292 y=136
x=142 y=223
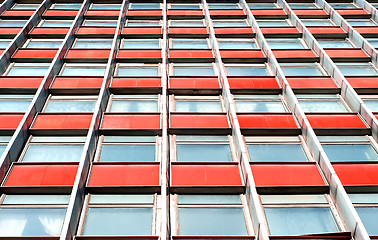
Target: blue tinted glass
x=14 y=106
x=261 y=5
x=372 y=105
x=4 y=42
x=143 y=23
x=138 y=71
x=362 y=23
x=31 y=222
x=300 y=221
x=70 y=106
x=230 y=24
x=350 y=152
x=2 y=149
x=52 y=23
x=223 y=6
x=209 y=199
x=323 y=106
x=193 y=71
x=358 y=71
x=127 y=153
x=259 y=106
x=203 y=153
x=318 y=22
x=53 y=153
x=12 y=23
x=285 y=45
x=192 y=23
x=96 y=43
x=27 y=71
x=190 y=44
x=83 y=71
x=211 y=222
x=335 y=44
x=118 y=222
x=144 y=6
x=106 y=6
x=44 y=44
x=275 y=23
x=140 y=43
x=75 y=6
x=198 y=106
x=134 y=106
x=276 y=152
x=236 y=45
x=173 y=6
x=100 y=24
x=244 y=71
x=301 y=71
x=369 y=217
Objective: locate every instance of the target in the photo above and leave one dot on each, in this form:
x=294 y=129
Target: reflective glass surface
x=276 y=152
x=203 y=153
x=350 y=152
x=53 y=153
x=127 y=153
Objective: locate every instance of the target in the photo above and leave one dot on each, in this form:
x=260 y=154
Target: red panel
x=279 y=30
x=205 y=175
x=286 y=175
x=18 y=13
x=75 y=82
x=236 y=30
x=89 y=53
x=327 y=30
x=297 y=53
x=357 y=174
x=306 y=12
x=185 y=12
x=10 y=121
x=190 y=54
x=252 y=82
x=60 y=13
x=267 y=121
x=132 y=122
x=53 y=31
x=124 y=175
x=336 y=121
x=1 y=51
x=346 y=12
x=191 y=30
x=225 y=13
x=346 y=53
x=42 y=175
x=96 y=30
x=199 y=121
x=144 y=30
x=144 y=13
x=366 y=30
x=20 y=82
x=32 y=53
x=102 y=13
x=311 y=82
x=193 y=82
x=9 y=31
x=267 y=12
x=62 y=121
x=363 y=82
x=136 y=82
x=129 y=54
x=242 y=54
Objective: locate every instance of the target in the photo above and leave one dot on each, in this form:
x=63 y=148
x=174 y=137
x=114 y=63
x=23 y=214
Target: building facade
x=188 y=119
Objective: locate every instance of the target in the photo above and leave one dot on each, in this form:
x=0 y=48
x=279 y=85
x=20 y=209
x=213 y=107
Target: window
x=223 y=6
x=53 y=149
x=302 y=69
x=25 y=6
x=144 y=6
x=135 y=70
x=134 y=103
x=5 y=42
x=357 y=68
x=127 y=149
x=317 y=22
x=4 y=140
x=337 y=5
x=55 y=23
x=119 y=215
x=371 y=102
x=277 y=149
x=15 y=102
x=259 y=103
x=32 y=215
x=70 y=69
x=185 y=6
x=274 y=23
x=362 y=22
x=27 y=69
x=97 y=6
x=286 y=43
x=187 y=23
x=12 y=23
x=204 y=104
x=230 y=23
x=303 y=6
x=237 y=43
x=99 y=23
x=247 y=70
x=70 y=104
x=349 y=148
x=289 y=215
x=143 y=23
x=256 y=5
x=373 y=42
x=366 y=205
x=192 y=69
x=73 y=6
x=43 y=43
x=144 y=43
x=336 y=43
x=326 y=103
x=189 y=43
x=103 y=43
x=202 y=148
x=209 y=215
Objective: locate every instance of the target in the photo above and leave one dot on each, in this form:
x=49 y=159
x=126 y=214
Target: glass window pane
x=140 y=43
x=31 y=222
x=25 y=6
x=93 y=43
x=198 y=106
x=372 y=105
x=145 y=6
x=317 y=22
x=74 y=6
x=53 y=153
x=236 y=44
x=118 y=222
x=14 y=106
x=230 y=23
x=185 y=6
x=187 y=23
x=12 y=23
x=301 y=70
x=134 y=106
x=203 y=153
x=276 y=152
x=5 y=42
x=209 y=199
x=322 y=106
x=362 y=23
x=44 y=44
x=83 y=71
x=36 y=199
x=127 y=153
x=70 y=106
x=259 y=106
x=273 y=23
x=106 y=6
x=335 y=44
x=293 y=199
x=193 y=71
x=2 y=149
x=29 y=69
x=357 y=69
x=138 y=23
x=56 y=23
x=244 y=71
x=211 y=222
x=369 y=217
x=121 y=198
x=223 y=6
x=99 y=23
x=189 y=43
x=262 y=5
x=299 y=221
x=350 y=152
x=138 y=71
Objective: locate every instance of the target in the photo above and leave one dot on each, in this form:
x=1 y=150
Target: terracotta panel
x=268 y=12
x=102 y=13
x=62 y=121
x=267 y=121
x=52 y=31
x=130 y=54
x=136 y=82
x=333 y=121
x=60 y=13
x=357 y=174
x=20 y=82
x=190 y=30
x=326 y=30
x=10 y=121
x=242 y=54
x=311 y=82
x=366 y=30
x=279 y=30
x=144 y=30
x=96 y=30
x=190 y=54
x=309 y=12
x=347 y=12
x=363 y=82
x=297 y=53
x=193 y=82
x=17 y=13
x=89 y=53
x=9 y=31
x=252 y=82
x=225 y=13
x=236 y=30
x=186 y=13
x=346 y=53
x=144 y=13
x=75 y=82
x=35 y=53
x=131 y=122
x=199 y=121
